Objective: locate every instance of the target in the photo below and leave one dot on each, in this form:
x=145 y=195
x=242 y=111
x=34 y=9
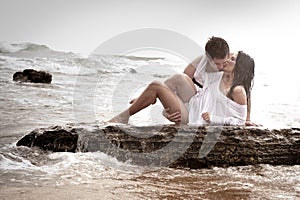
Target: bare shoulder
x=239 y=95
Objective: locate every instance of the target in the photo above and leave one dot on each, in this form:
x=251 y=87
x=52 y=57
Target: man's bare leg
x=155 y=90
x=182 y=85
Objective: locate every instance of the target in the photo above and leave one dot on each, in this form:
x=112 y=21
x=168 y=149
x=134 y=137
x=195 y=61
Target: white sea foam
x=10 y=164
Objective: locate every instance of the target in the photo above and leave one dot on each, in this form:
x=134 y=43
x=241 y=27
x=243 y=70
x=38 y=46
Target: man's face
x=220 y=62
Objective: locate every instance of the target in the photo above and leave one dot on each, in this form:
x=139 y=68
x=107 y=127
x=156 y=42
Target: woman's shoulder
x=239 y=95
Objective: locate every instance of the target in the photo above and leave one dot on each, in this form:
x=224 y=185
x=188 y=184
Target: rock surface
x=33 y=76
x=192 y=147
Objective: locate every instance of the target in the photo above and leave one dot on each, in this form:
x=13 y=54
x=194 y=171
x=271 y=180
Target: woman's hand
x=206 y=117
x=173 y=117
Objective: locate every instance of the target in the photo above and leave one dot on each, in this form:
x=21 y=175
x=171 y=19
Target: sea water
x=90 y=90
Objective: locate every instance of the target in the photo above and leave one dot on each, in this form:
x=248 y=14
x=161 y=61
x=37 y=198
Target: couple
x=214 y=89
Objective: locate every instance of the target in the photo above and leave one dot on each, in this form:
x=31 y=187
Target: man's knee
x=155 y=84
x=175 y=81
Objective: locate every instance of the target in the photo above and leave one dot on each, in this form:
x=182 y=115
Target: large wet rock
x=193 y=147
x=33 y=76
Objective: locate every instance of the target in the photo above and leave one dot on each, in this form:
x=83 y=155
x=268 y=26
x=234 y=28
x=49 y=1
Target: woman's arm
x=248 y=119
x=222 y=120
x=239 y=96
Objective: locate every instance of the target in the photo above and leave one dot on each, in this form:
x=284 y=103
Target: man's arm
x=191 y=68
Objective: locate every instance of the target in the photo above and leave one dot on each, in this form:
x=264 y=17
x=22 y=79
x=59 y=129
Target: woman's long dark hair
x=243 y=73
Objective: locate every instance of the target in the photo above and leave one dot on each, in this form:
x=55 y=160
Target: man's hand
x=206 y=117
x=173 y=117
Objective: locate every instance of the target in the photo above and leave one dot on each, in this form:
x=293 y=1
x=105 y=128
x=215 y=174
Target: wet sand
x=99 y=190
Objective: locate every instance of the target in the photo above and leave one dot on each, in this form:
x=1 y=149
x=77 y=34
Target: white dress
x=210 y=99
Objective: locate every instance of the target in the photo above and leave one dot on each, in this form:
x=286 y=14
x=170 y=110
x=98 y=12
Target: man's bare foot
x=117 y=120
x=122 y=118
x=250 y=123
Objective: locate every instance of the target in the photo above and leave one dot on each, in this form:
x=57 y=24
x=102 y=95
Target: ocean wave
x=128 y=57
x=8 y=48
x=32 y=50
x=27 y=46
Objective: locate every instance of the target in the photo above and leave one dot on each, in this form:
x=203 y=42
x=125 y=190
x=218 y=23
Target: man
x=217 y=49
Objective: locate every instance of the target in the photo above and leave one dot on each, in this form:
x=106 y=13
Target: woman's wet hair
x=217 y=47
x=243 y=73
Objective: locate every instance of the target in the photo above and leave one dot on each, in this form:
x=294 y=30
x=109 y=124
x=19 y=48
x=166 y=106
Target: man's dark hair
x=217 y=47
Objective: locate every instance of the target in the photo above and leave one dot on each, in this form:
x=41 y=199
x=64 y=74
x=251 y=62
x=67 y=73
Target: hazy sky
x=81 y=26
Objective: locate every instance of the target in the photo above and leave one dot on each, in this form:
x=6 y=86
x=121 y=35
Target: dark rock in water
x=53 y=139
x=192 y=147
x=31 y=75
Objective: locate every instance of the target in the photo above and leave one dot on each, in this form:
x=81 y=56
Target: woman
x=225 y=95
x=206 y=105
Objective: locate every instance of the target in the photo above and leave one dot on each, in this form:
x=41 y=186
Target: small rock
x=33 y=76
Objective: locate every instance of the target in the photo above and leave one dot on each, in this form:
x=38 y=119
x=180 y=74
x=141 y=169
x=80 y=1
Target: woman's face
x=230 y=63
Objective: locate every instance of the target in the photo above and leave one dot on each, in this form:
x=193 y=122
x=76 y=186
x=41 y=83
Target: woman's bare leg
x=182 y=85
x=155 y=90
